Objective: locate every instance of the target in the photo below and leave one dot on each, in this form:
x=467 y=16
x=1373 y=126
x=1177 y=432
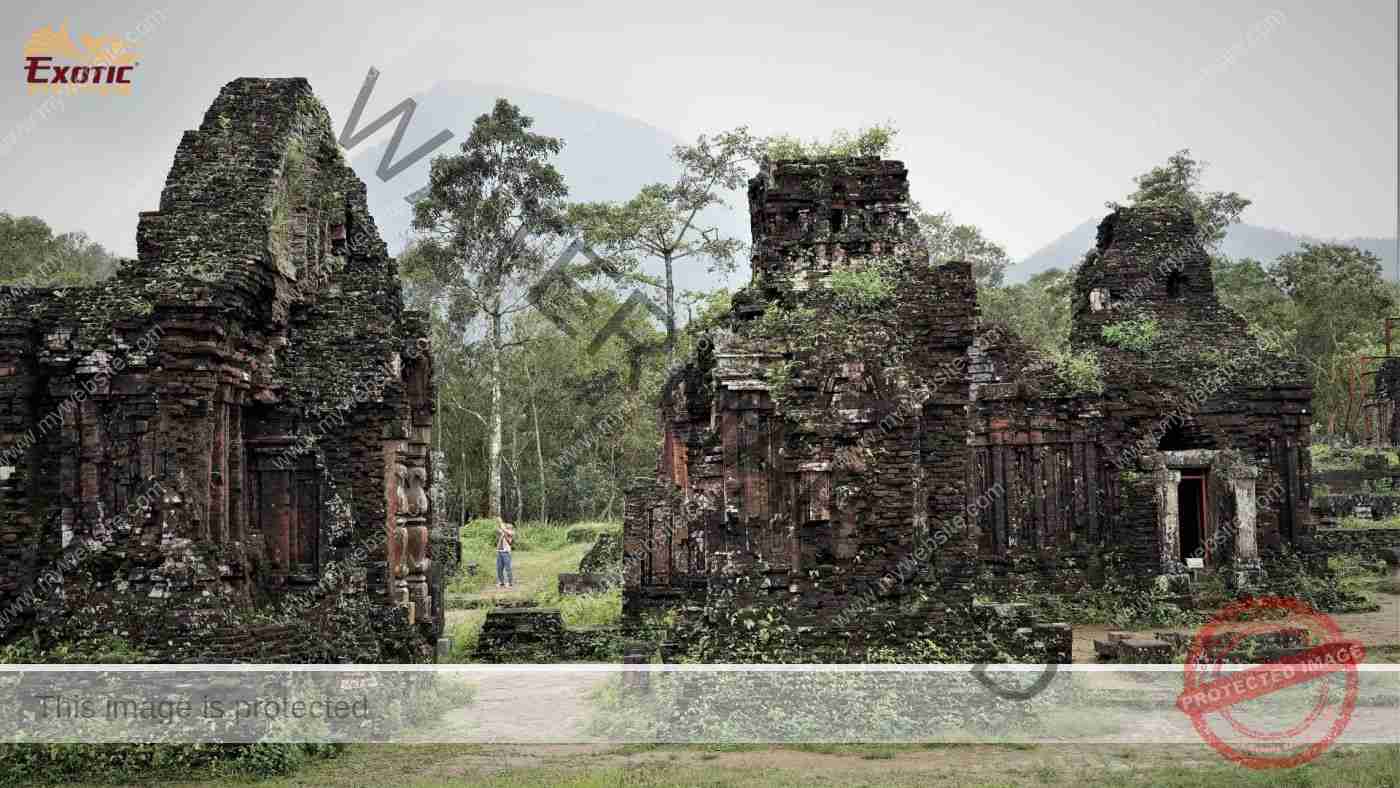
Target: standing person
x=505 y=536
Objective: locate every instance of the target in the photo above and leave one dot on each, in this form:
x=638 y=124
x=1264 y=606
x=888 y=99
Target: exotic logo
x=54 y=64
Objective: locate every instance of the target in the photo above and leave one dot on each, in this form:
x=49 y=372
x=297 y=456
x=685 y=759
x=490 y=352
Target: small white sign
x=1195 y=563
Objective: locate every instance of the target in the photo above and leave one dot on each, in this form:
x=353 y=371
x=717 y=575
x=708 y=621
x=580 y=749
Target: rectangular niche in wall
x=286 y=507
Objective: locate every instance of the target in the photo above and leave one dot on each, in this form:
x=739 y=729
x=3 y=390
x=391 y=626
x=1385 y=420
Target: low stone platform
x=1169 y=646
x=583 y=583
x=538 y=635
x=1130 y=648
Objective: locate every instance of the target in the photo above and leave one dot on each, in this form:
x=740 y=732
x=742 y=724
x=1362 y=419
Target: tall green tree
x=491 y=221
x=32 y=255
x=1038 y=310
x=665 y=221
x=1339 y=300
x=947 y=240
x=576 y=429
x=1246 y=286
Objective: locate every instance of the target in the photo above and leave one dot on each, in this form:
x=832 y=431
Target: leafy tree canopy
x=947 y=240
x=1178 y=182
x=667 y=221
x=31 y=255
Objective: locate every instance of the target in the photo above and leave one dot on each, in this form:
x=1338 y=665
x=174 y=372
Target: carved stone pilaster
x=1247 y=570
x=1168 y=520
x=417 y=565
x=411 y=577
x=398 y=541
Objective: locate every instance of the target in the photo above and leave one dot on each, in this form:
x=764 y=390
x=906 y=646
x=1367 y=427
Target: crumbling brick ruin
x=1381 y=421
x=847 y=451
x=222 y=453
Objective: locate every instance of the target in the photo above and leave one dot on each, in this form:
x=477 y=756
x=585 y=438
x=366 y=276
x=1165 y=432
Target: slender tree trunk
x=493 y=458
x=539 y=450
x=612 y=479
x=519 y=512
x=670 y=310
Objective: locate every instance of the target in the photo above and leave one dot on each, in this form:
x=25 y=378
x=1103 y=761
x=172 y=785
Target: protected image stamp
x=1290 y=688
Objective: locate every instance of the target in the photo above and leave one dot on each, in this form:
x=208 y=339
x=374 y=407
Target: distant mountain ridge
x=1264 y=244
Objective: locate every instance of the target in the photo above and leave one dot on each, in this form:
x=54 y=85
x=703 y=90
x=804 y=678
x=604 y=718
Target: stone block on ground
x=1145 y=651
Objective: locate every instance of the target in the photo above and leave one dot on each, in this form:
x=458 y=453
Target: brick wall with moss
x=191 y=447
x=1173 y=369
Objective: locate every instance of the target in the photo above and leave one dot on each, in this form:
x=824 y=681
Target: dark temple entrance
x=1191 y=514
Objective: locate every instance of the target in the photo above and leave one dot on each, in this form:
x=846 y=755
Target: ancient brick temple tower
x=844 y=468
x=237 y=425
x=1193 y=449
x=817 y=480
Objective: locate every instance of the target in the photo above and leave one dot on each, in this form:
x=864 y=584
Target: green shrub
x=582 y=533
x=860 y=289
x=1326 y=457
x=1359 y=522
x=1136 y=334
x=877 y=140
x=1079 y=372
x=112 y=763
x=1339 y=589
x=588 y=532
x=584 y=610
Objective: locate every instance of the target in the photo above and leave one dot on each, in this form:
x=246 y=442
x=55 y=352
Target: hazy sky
x=1022 y=118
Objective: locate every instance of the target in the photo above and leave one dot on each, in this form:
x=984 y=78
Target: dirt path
x=543 y=706
x=812 y=766
x=1376 y=628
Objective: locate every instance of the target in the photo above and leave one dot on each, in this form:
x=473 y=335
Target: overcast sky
x=1023 y=118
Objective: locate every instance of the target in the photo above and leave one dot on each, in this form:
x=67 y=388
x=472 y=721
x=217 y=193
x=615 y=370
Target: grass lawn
x=542 y=552
x=822 y=765
x=1338 y=458
x=1363 y=522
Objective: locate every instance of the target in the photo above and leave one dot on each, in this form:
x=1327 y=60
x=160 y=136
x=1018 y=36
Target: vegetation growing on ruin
x=284 y=200
x=860 y=288
x=1077 y=371
x=849 y=316
x=1118 y=598
x=876 y=140
x=1137 y=334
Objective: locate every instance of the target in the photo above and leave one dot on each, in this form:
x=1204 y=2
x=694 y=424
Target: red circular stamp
x=1278 y=713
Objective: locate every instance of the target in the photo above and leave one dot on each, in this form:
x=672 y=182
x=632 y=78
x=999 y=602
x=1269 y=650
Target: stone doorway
x=1192 y=493
x=1191 y=485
